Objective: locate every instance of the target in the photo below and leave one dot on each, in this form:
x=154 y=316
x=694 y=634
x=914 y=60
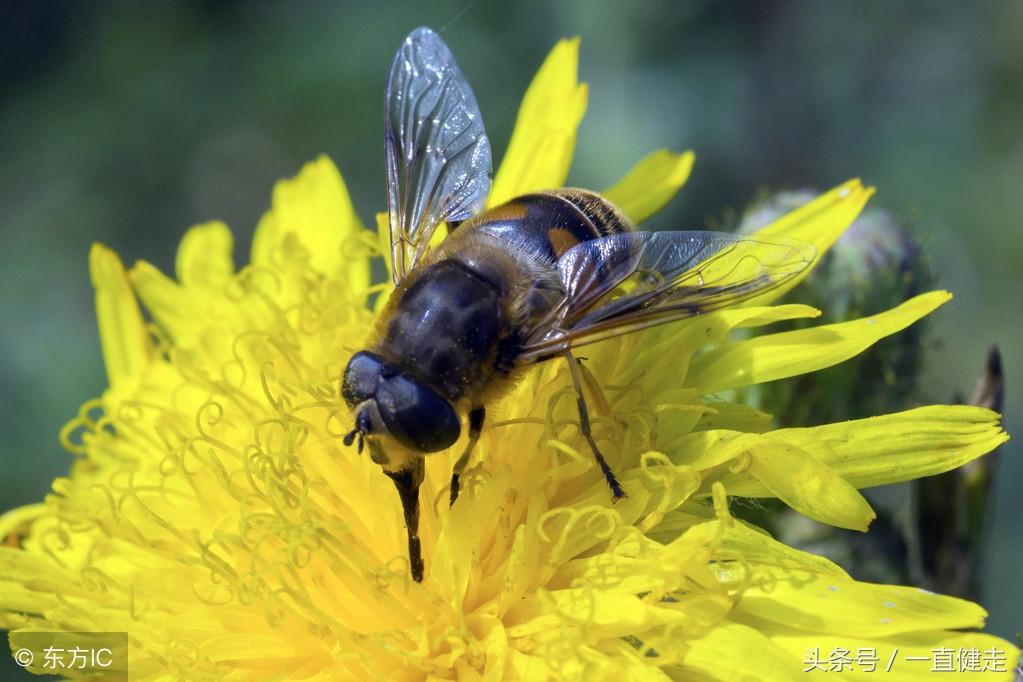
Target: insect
x=519 y=284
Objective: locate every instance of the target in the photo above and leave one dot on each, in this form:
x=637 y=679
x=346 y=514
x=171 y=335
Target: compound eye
x=416 y=416
x=361 y=378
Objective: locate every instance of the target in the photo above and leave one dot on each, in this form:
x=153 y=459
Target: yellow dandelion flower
x=213 y=514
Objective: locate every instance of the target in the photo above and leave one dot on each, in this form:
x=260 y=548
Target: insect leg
x=584 y=427
x=407 y=481
x=476 y=417
x=593 y=386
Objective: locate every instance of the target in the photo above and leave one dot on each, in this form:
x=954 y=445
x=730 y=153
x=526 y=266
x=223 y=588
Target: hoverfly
x=521 y=283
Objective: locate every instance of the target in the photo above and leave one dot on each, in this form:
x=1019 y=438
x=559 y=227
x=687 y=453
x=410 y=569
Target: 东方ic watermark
x=71 y=654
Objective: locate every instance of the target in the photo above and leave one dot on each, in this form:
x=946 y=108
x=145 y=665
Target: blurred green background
x=127 y=122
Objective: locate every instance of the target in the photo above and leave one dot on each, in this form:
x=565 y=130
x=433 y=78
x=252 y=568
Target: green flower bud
x=878 y=262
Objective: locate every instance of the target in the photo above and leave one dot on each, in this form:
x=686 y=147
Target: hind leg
x=584 y=428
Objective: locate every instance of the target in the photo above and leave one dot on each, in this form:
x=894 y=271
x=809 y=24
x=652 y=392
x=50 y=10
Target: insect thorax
x=445 y=327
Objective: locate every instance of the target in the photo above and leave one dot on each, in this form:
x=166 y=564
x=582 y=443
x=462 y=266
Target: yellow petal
x=776 y=356
x=527 y=668
x=315 y=208
x=651 y=183
x=760 y=316
x=167 y=301
x=891 y=448
x=801 y=601
x=605 y=613
x=122 y=331
x=662 y=364
x=738 y=652
x=195 y=317
x=204 y=256
x=540 y=151
x=735 y=416
x=808 y=486
x=249 y=646
x=748 y=546
x=794 y=599
x=452 y=559
x=20 y=518
x=820 y=222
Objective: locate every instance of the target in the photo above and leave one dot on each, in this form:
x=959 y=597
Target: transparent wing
x=634 y=280
x=438 y=156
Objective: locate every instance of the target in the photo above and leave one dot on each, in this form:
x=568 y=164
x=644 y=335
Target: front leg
x=584 y=427
x=476 y=417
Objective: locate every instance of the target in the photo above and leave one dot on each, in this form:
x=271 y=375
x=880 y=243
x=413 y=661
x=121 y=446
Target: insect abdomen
x=445 y=327
x=554 y=221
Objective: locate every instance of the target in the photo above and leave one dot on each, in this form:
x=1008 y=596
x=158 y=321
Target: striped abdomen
x=553 y=221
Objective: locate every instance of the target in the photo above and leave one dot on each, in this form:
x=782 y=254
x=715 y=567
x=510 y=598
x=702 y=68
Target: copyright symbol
x=23 y=657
